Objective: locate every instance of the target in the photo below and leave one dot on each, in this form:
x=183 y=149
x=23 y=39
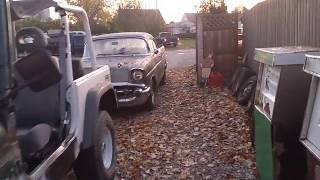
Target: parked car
x=167 y=39
x=138 y=67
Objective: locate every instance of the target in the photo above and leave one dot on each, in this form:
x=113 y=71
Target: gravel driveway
x=181 y=58
x=194 y=133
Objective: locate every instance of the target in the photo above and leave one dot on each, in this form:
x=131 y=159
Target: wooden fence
x=281 y=23
x=217 y=34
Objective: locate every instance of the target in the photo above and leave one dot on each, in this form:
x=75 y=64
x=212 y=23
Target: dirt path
x=194 y=133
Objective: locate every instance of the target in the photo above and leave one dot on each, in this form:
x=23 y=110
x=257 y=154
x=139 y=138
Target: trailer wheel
x=244 y=74
x=246 y=90
x=99 y=161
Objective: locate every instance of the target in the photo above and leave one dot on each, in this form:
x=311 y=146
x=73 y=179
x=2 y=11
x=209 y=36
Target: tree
x=35 y=22
x=129 y=4
x=145 y=20
x=212 y=6
x=100 y=14
x=240 y=9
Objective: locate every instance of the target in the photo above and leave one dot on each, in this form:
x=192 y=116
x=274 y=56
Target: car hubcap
x=152 y=98
x=106 y=148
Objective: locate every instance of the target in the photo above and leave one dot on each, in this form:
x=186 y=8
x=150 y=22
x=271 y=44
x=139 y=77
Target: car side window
x=154 y=44
x=151 y=45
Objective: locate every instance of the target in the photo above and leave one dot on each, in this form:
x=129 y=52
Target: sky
x=173 y=10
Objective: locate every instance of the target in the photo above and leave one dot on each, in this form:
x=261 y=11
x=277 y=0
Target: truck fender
x=90 y=118
x=95 y=101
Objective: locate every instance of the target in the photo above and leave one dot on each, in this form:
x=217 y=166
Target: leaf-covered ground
x=194 y=133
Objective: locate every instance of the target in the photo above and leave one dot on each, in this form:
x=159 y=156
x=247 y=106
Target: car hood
x=121 y=66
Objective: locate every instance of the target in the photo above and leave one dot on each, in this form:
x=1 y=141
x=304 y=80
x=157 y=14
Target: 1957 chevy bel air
x=138 y=67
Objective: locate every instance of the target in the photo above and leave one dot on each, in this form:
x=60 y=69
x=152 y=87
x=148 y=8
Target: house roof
x=190 y=16
x=174 y=24
x=143 y=35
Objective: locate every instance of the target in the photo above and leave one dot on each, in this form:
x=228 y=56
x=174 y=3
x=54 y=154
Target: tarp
x=28 y=8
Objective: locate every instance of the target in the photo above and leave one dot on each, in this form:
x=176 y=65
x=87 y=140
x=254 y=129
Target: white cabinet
x=281 y=97
x=277 y=63
x=310 y=134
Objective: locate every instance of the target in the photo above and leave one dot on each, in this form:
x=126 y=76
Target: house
x=140 y=20
x=187 y=25
x=174 y=27
x=189 y=22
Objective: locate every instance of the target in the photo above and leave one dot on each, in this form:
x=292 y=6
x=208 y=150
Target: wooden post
x=199 y=46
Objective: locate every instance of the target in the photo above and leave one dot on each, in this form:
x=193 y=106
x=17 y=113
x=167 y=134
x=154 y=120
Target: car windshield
x=120 y=46
x=165 y=34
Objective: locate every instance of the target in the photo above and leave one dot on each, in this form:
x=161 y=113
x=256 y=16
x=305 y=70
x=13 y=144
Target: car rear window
x=165 y=34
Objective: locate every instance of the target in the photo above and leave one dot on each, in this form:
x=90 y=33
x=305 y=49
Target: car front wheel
x=151 y=102
x=164 y=78
x=99 y=161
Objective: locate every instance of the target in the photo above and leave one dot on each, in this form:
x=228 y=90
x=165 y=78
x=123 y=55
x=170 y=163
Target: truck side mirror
x=38 y=71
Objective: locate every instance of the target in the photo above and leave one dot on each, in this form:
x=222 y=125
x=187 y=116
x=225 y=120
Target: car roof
x=143 y=35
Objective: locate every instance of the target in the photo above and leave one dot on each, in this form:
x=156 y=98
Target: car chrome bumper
x=129 y=95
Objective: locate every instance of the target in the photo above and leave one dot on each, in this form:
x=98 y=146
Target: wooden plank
x=199 y=41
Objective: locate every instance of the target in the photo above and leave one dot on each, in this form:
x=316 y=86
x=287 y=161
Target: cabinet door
x=314 y=127
x=268 y=91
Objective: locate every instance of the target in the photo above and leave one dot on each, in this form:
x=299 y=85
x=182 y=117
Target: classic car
x=138 y=67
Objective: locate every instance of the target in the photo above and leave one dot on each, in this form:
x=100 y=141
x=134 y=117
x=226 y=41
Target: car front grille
x=119 y=75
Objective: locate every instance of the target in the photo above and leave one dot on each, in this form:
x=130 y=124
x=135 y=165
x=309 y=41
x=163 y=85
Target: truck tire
x=151 y=102
x=99 y=161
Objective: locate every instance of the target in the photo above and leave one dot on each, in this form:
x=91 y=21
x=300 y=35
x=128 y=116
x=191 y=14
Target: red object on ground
x=215 y=79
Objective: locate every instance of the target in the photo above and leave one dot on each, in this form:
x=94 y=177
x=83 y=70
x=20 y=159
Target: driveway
x=181 y=58
x=193 y=133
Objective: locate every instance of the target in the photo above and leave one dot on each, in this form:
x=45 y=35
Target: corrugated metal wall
x=281 y=23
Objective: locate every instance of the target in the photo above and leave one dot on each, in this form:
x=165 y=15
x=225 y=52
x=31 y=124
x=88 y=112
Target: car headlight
x=137 y=75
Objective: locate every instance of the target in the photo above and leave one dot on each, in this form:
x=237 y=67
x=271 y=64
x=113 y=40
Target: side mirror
x=38 y=71
x=156 y=51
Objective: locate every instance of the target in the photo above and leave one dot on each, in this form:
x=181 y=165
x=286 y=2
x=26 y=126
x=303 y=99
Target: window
x=152 y=45
x=120 y=46
x=165 y=34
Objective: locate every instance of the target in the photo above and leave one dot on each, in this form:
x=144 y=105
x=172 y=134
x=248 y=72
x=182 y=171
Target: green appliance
x=280 y=100
x=310 y=133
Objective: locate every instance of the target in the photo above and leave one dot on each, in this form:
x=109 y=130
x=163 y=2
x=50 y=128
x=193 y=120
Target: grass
x=184 y=43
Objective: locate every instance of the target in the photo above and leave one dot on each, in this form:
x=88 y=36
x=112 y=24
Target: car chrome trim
x=115 y=84
x=146 y=90
x=153 y=69
x=127 y=99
